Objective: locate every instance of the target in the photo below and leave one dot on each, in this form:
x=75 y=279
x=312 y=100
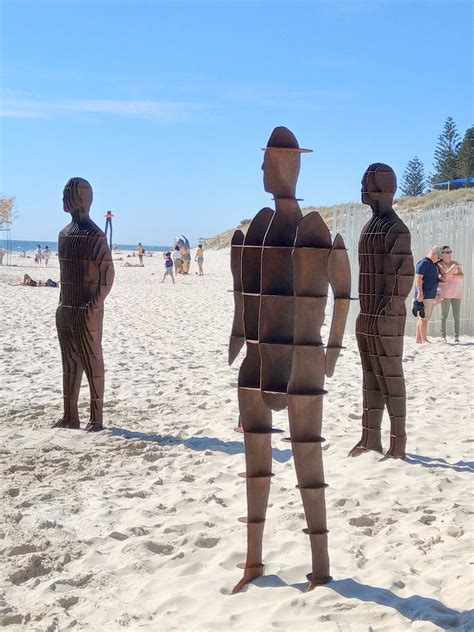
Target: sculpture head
x=281 y=163
x=379 y=184
x=77 y=196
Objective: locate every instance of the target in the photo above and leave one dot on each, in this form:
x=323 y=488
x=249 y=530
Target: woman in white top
x=178 y=260
x=46 y=255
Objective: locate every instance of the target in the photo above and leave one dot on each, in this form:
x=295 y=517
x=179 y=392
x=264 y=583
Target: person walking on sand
x=46 y=255
x=451 y=291
x=178 y=260
x=168 y=267
x=426 y=284
x=38 y=254
x=141 y=252
x=200 y=259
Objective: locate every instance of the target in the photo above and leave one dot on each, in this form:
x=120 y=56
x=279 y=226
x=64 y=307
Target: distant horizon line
x=55 y=241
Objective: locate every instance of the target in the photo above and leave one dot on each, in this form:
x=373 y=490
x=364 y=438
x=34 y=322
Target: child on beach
x=168 y=267
x=200 y=259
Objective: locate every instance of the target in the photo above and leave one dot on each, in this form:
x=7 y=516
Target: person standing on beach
x=426 y=284
x=46 y=255
x=141 y=252
x=168 y=267
x=38 y=254
x=87 y=275
x=200 y=259
x=178 y=260
x=450 y=291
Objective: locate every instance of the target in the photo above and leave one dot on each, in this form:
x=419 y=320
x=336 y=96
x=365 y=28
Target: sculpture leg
x=93 y=363
x=395 y=400
x=94 y=369
x=256 y=425
x=72 y=375
x=373 y=403
x=305 y=417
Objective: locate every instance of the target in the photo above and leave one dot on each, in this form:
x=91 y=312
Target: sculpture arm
x=339 y=274
x=400 y=246
x=103 y=257
x=237 y=334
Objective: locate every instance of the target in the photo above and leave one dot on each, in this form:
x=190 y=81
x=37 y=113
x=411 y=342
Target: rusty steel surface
x=282 y=270
x=87 y=274
x=385 y=280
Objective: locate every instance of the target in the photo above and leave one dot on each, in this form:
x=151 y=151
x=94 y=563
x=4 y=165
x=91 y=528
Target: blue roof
x=456 y=181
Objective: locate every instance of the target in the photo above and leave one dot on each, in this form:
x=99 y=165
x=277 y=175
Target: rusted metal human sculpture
x=385 y=280
x=282 y=269
x=185 y=249
x=87 y=274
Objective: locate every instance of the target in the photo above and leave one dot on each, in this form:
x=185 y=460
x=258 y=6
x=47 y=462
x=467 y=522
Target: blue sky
x=164 y=106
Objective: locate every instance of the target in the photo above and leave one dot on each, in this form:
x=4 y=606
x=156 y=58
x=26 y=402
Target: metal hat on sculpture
x=282 y=269
x=385 y=280
x=185 y=249
x=87 y=274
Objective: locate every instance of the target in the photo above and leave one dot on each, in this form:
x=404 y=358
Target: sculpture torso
x=385 y=267
x=82 y=248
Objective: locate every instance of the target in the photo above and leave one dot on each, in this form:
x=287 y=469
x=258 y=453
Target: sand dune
x=136 y=528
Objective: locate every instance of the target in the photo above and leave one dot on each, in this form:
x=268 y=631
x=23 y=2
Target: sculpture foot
x=93 y=427
x=250 y=573
x=393 y=453
x=397 y=447
x=64 y=423
x=319 y=581
x=361 y=448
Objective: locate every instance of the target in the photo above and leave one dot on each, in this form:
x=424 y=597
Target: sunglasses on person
x=447 y=252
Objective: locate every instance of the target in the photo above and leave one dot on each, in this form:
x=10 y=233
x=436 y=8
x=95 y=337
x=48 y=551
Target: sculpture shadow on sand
x=196 y=443
x=434 y=461
x=414 y=607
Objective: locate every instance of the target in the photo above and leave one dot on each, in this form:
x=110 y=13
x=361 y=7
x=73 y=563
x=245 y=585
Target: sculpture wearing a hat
x=282 y=269
x=385 y=280
x=87 y=274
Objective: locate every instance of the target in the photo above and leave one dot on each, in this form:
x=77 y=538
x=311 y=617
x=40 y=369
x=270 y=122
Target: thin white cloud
x=34 y=107
x=301 y=99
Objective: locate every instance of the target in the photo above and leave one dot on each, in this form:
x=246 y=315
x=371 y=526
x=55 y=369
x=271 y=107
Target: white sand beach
x=135 y=528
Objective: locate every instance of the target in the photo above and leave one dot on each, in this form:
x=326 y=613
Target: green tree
x=446 y=153
x=414 y=180
x=465 y=166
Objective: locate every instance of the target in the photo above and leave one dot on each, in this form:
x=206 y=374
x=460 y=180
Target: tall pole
x=108 y=224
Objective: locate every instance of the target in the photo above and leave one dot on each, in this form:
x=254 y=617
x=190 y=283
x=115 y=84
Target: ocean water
x=30 y=246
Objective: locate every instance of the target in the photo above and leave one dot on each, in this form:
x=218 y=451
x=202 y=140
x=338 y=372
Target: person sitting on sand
x=200 y=259
x=168 y=267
